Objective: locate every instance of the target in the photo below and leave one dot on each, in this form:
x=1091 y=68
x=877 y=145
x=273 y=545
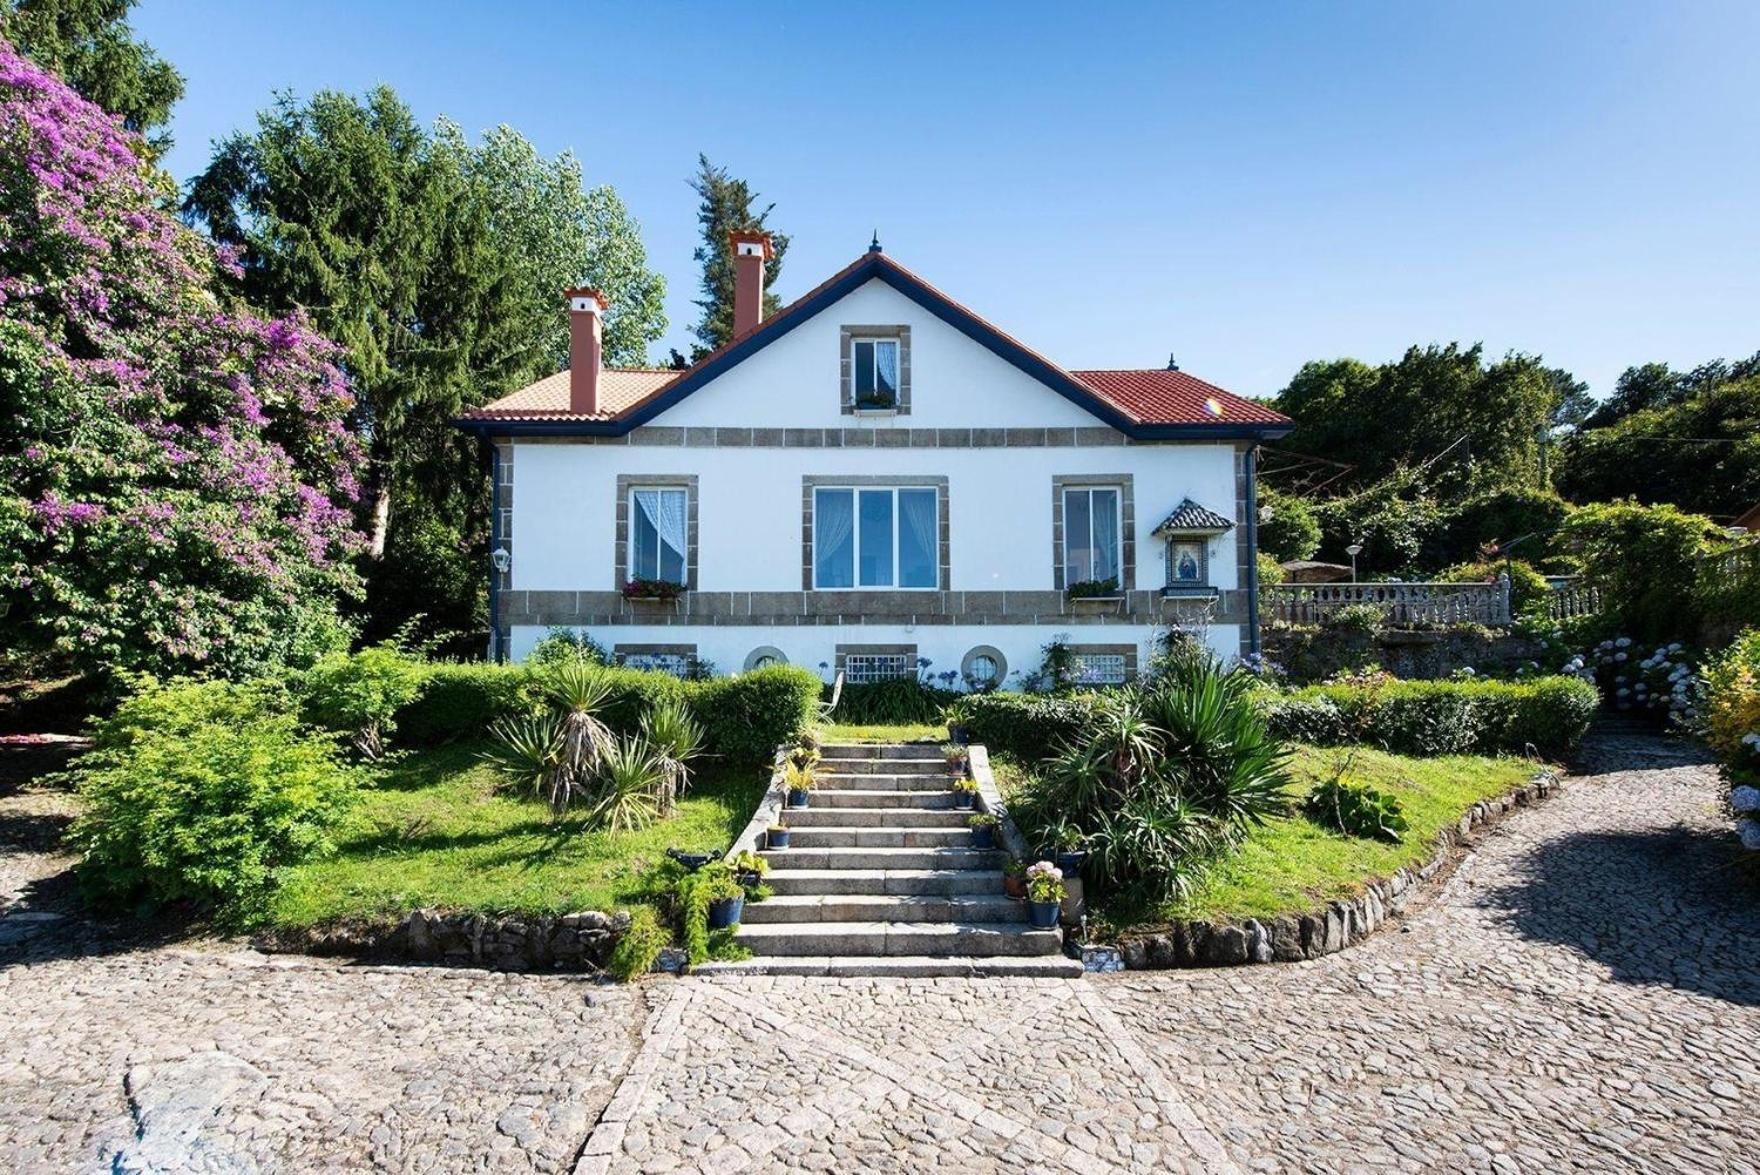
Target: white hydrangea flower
x=1624 y=642
x=1619 y=656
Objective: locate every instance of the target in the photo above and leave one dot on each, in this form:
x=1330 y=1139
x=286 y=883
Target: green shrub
x=463 y=699
x=747 y=716
x=360 y=694
x=1292 y=531
x=899 y=700
x=204 y=792
x=1355 y=809
x=636 y=692
x=1366 y=619
x=1548 y=715
x=1028 y=726
x=1641 y=558
x=566 y=644
x=640 y=945
x=1501 y=515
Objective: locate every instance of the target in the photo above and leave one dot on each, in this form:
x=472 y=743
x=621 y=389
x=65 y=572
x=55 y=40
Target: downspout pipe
x=1252 y=472
x=497 y=654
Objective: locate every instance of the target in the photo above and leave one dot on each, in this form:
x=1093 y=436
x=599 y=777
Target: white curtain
x=886 y=368
x=1105 y=523
x=834 y=521
x=918 y=510
x=670 y=524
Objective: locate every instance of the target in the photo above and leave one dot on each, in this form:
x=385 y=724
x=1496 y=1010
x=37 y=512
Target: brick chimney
x=751 y=249
x=584 y=309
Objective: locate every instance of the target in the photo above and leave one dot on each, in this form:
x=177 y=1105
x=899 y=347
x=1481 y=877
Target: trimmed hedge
x=743 y=717
x=1028 y=726
x=1549 y=715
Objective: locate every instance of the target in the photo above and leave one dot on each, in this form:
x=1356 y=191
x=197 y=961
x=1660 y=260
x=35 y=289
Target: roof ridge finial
x=874 y=246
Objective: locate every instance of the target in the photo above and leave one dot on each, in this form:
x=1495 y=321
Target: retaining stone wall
x=1291 y=938
x=571 y=942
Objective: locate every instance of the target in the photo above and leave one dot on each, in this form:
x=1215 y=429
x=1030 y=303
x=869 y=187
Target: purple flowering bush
x=176 y=475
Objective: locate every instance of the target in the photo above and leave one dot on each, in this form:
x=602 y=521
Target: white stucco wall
x=749 y=533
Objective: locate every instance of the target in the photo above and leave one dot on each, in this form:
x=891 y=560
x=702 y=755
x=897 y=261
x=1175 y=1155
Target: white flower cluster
x=1044 y=869
x=1663 y=681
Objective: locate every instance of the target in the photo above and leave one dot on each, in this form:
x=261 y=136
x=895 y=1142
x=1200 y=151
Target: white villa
x=873 y=478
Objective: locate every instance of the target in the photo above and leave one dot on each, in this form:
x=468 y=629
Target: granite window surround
x=1128 y=652
x=626 y=482
x=944 y=547
x=1127 y=541
x=847 y=336
x=844 y=652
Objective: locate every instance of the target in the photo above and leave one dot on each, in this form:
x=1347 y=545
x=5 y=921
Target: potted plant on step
x=727 y=897
x=1045 y=895
x=965 y=793
x=749 y=869
x=798 y=779
x=776 y=836
x=1014 y=878
x=983 y=826
x=957 y=758
x=805 y=753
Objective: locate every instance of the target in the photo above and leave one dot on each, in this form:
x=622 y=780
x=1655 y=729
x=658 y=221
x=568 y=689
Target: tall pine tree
x=726 y=206
x=90 y=44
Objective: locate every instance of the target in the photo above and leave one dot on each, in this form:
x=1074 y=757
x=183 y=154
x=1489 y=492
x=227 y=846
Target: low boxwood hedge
x=743 y=717
x=1547 y=715
x=1027 y=726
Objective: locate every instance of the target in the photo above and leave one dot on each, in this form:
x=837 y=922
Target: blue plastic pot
x=964 y=799
x=1071 y=862
x=798 y=798
x=777 y=838
x=984 y=837
x=725 y=912
x=1043 y=915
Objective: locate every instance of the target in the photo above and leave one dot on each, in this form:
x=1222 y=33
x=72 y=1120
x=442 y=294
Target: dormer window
x=876 y=369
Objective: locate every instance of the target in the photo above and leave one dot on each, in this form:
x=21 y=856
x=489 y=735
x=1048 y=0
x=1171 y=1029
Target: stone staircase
x=880 y=879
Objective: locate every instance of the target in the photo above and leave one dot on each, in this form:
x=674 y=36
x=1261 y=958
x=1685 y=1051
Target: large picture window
x=657 y=534
x=875 y=537
x=1091 y=535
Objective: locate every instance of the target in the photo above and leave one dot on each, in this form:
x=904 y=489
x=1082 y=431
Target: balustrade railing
x=1400 y=603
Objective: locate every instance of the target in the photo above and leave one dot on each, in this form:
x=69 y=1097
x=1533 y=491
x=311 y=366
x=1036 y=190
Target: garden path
x=1583 y=992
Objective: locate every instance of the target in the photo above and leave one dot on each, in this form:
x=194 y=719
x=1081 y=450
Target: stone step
x=882 y=767
x=879 y=798
x=875 y=817
x=964 y=967
x=855 y=858
x=979 y=939
x=791 y=908
x=882 y=782
x=785 y=880
x=879 y=838
x=908 y=751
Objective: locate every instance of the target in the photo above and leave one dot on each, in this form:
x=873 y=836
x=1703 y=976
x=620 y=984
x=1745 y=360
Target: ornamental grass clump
x=676 y=739
x=1169 y=776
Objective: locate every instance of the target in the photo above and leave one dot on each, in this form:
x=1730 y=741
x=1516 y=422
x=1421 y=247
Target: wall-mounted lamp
x=502 y=559
x=1266 y=514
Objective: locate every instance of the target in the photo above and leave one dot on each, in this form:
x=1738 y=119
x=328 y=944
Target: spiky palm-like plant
x=578 y=690
x=676 y=739
x=632 y=777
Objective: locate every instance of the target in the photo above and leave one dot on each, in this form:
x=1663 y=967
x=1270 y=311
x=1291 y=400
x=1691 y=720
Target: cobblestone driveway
x=1584 y=993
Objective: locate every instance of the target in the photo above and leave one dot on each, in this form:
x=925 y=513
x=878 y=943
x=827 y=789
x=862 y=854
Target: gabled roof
x=1190 y=518
x=1146 y=405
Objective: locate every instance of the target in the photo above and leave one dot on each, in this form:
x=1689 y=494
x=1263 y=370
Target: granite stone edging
x=581 y=941
x=1294 y=938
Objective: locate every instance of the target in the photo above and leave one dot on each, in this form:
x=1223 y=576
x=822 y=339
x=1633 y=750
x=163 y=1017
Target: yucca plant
x=676 y=739
x=578 y=691
x=528 y=749
x=631 y=777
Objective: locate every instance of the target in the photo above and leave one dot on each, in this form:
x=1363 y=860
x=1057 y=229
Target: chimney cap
x=577 y=296
x=751 y=236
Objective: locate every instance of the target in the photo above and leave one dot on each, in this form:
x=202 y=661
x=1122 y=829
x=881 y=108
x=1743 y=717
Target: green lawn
x=440 y=830
x=904 y=732
x=1291 y=865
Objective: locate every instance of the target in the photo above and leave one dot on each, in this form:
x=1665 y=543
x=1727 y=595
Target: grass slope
x=876 y=732
x=441 y=830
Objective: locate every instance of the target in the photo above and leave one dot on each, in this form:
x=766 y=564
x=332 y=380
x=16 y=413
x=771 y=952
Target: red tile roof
x=1159 y=396
x=1154 y=396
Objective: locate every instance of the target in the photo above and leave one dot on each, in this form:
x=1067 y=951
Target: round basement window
x=765 y=656
x=983 y=668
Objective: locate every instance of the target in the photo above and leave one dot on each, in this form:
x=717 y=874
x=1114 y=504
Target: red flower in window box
x=652 y=589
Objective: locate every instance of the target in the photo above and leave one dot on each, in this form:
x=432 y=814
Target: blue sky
x=1245 y=186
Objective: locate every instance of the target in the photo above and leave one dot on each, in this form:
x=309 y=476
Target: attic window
x=876 y=373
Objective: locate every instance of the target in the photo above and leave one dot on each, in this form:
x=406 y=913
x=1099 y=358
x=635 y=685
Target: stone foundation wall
x=1314 y=654
x=1291 y=938
x=571 y=942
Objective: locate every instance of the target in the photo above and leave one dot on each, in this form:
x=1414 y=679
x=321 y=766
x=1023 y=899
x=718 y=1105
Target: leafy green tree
x=727 y=204
x=1504 y=515
x=1396 y=520
x=1292 y=531
x=438 y=264
x=90 y=44
x=1700 y=452
x=1575 y=404
x=1474 y=424
x=1641 y=558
